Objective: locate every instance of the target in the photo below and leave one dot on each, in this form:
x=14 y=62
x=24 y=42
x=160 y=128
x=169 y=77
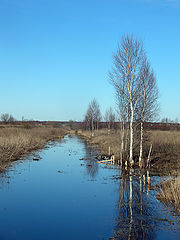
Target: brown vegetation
x=165 y=156
x=104 y=140
x=166 y=149
x=170 y=193
x=165 y=146
x=17 y=142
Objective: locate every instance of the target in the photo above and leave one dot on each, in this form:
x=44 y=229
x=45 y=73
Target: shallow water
x=85 y=200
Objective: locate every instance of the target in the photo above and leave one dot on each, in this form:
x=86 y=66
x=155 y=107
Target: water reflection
x=123 y=208
x=138 y=217
x=91 y=164
x=138 y=214
x=134 y=213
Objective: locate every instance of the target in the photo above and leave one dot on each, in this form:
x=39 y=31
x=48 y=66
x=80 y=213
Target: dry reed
x=17 y=142
x=170 y=192
x=166 y=149
x=165 y=146
x=105 y=140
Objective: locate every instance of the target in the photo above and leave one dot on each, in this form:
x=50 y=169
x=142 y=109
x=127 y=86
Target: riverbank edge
x=30 y=149
x=169 y=190
x=156 y=163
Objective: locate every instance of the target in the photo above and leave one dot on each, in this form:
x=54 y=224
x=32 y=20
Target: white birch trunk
x=131 y=161
x=92 y=125
x=149 y=155
x=130 y=207
x=141 y=146
x=122 y=142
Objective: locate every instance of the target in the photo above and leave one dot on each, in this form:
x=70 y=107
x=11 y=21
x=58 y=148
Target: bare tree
x=126 y=78
x=7 y=118
x=97 y=115
x=123 y=112
x=109 y=118
x=87 y=120
x=93 y=115
x=11 y=119
x=148 y=105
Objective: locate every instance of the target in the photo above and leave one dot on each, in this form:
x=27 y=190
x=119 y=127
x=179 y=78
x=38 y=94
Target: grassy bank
x=165 y=146
x=104 y=140
x=17 y=142
x=166 y=149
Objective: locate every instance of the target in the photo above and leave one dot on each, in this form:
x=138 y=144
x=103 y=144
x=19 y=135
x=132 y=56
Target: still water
x=63 y=197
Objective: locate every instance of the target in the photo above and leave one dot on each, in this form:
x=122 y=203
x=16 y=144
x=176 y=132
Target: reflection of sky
x=75 y=204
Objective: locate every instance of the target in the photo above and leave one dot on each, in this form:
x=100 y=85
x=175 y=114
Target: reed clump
x=170 y=193
x=17 y=142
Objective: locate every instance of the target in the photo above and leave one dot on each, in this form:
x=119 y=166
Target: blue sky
x=55 y=54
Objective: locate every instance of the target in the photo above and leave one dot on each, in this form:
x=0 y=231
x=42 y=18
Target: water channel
x=68 y=195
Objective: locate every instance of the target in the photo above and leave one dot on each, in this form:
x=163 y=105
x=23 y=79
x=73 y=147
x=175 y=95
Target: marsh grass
x=165 y=157
x=17 y=142
x=166 y=149
x=166 y=142
x=170 y=193
x=165 y=146
x=104 y=140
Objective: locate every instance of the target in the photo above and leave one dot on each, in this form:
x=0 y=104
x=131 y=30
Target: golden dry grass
x=17 y=142
x=165 y=137
x=170 y=192
x=165 y=150
x=104 y=140
x=166 y=140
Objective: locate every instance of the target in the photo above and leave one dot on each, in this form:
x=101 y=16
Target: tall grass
x=166 y=141
x=166 y=149
x=165 y=146
x=170 y=192
x=17 y=142
x=105 y=140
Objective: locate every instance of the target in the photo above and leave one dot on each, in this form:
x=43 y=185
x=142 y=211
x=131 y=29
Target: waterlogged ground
x=63 y=197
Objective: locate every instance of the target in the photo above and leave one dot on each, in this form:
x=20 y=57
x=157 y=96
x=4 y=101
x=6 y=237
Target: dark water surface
x=86 y=200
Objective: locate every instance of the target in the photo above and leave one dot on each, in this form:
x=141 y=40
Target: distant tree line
x=92 y=116
x=94 y=120
x=7 y=118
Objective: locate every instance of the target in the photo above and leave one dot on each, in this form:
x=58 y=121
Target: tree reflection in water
x=138 y=215
x=134 y=219
x=91 y=165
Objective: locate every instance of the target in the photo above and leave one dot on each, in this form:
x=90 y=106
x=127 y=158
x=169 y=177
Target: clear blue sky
x=55 y=54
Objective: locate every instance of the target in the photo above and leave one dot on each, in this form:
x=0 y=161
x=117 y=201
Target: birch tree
x=123 y=112
x=148 y=105
x=126 y=78
x=109 y=118
x=93 y=115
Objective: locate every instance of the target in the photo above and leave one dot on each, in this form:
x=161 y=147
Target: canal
x=68 y=195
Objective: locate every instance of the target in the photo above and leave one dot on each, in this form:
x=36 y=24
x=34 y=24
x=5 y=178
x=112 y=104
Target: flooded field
x=68 y=195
